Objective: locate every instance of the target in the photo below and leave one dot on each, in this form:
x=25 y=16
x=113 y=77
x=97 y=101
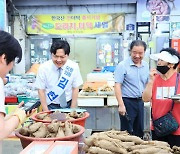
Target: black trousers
x=58 y=106
x=134 y=123
x=170 y=139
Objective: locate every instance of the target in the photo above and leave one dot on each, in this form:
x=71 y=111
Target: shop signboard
x=75 y=23
x=162 y=9
x=108 y=51
x=39 y=49
x=175 y=43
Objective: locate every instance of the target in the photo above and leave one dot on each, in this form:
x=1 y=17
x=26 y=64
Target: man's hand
x=122 y=110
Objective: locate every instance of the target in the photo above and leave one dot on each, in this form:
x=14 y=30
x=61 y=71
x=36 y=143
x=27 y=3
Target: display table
x=104 y=113
x=102 y=117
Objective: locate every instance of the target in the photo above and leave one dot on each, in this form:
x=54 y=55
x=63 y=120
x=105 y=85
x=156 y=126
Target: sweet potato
x=68 y=131
x=53 y=127
x=149 y=150
x=41 y=133
x=74 y=114
x=176 y=149
x=98 y=150
x=60 y=132
x=136 y=147
x=80 y=115
x=85 y=148
x=24 y=131
x=41 y=116
x=89 y=141
x=110 y=146
x=51 y=135
x=127 y=138
x=35 y=126
x=76 y=129
x=158 y=143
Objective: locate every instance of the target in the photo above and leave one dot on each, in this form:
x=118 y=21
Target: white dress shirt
x=48 y=76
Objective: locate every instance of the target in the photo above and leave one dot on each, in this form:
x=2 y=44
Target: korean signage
x=175 y=43
x=75 y=23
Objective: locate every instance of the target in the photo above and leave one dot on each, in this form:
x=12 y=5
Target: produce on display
x=54 y=129
x=121 y=142
x=69 y=116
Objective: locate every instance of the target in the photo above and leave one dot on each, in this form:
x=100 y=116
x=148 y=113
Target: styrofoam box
x=112 y=101
x=91 y=101
x=63 y=147
x=99 y=77
x=37 y=147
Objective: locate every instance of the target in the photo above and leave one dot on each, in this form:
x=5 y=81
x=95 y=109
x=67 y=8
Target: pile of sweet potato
x=54 y=129
x=120 y=142
x=69 y=116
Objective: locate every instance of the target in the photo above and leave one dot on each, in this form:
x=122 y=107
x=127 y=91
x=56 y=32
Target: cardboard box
x=63 y=147
x=37 y=147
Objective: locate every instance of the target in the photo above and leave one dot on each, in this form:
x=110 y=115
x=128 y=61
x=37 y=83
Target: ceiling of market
x=21 y=3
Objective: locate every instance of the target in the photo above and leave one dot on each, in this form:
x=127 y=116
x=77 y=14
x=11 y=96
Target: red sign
x=175 y=43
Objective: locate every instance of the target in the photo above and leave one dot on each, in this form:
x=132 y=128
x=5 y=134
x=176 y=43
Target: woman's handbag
x=166 y=124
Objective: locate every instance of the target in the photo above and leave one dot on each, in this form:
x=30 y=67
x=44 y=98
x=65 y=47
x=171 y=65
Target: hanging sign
x=75 y=23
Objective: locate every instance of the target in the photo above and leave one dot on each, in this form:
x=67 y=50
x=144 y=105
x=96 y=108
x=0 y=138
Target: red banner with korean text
x=75 y=23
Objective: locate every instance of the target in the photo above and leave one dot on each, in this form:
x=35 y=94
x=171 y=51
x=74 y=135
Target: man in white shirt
x=58 y=79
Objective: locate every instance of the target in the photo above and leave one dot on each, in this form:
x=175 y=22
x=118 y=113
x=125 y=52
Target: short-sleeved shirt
x=48 y=76
x=132 y=78
x=2 y=96
x=160 y=105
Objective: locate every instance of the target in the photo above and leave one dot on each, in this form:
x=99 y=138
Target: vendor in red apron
x=58 y=79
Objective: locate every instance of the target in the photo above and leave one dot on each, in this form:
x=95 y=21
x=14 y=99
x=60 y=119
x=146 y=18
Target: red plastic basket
x=79 y=121
x=25 y=140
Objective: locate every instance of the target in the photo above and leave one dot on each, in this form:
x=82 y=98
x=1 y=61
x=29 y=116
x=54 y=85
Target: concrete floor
x=11 y=146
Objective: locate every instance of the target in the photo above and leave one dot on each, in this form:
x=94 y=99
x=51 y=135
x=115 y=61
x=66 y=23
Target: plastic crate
x=26 y=99
x=63 y=147
x=11 y=100
x=36 y=147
